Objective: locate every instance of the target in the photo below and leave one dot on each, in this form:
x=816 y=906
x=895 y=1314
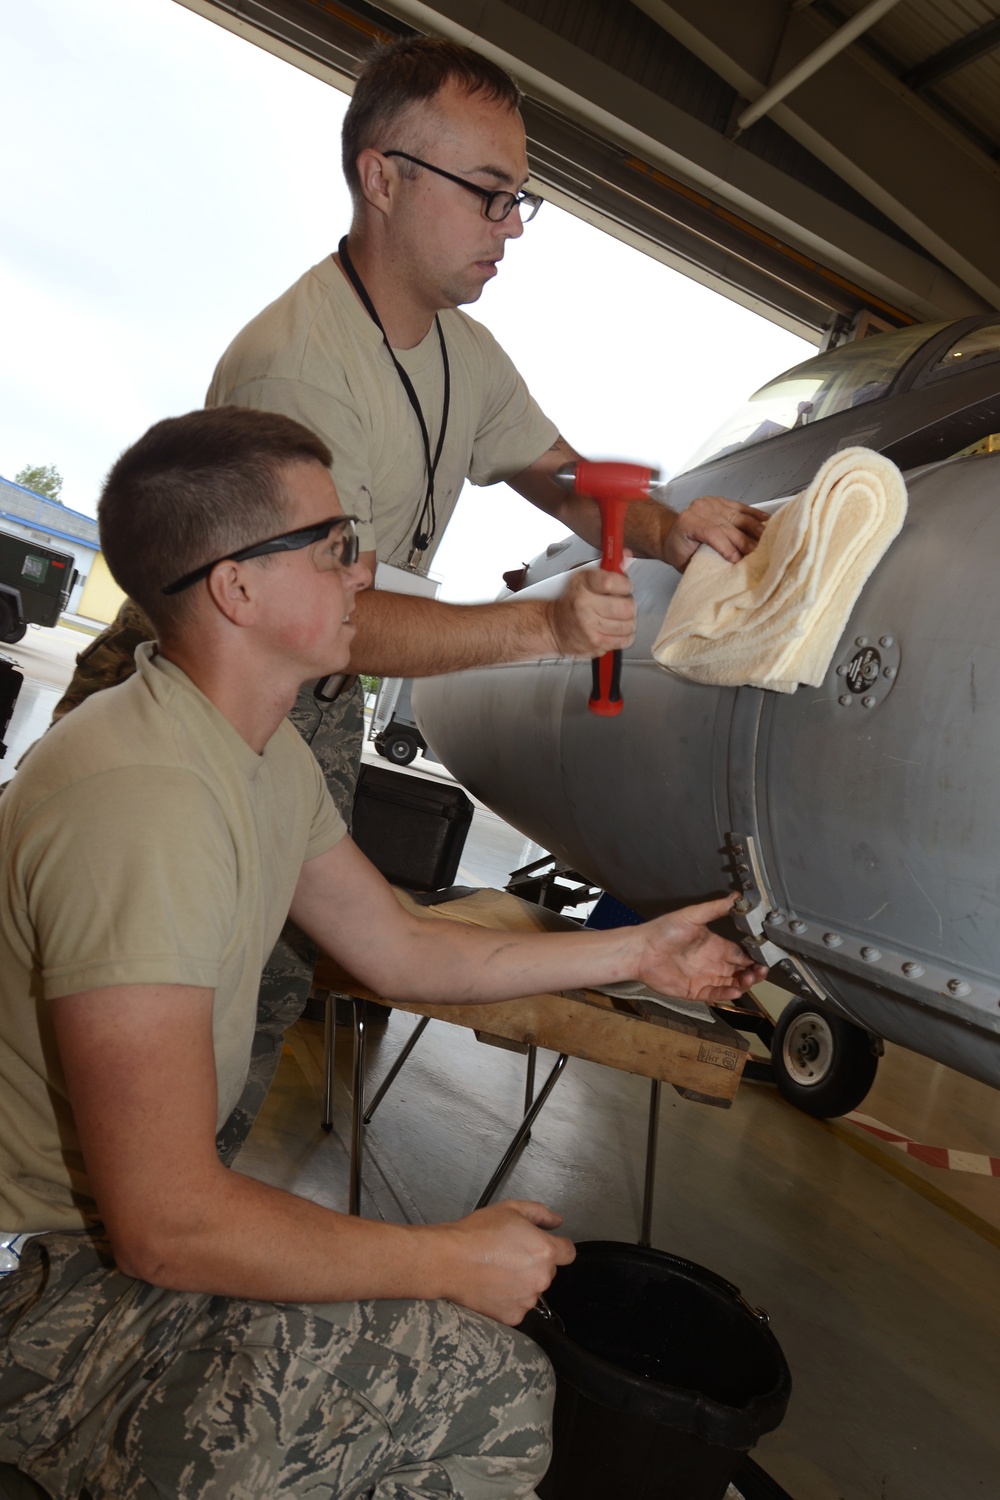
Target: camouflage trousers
x=127 y=1391
x=334 y=732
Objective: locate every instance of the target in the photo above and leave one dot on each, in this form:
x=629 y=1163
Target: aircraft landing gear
x=821 y=1063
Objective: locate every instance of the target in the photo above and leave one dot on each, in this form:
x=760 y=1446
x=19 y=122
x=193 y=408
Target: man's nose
x=512 y=227
x=357 y=577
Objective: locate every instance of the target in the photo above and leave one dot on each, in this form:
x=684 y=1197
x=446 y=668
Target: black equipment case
x=412 y=829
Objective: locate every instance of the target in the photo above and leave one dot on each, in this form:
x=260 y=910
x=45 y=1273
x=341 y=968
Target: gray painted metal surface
x=866 y=812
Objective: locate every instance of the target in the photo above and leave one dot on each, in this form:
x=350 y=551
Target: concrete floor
x=883 y=1289
x=881 y=1275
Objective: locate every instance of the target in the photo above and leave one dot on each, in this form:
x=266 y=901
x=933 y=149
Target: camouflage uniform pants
x=131 y=1392
x=334 y=732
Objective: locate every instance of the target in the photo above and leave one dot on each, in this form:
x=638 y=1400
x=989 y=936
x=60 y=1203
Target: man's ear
x=376 y=178
x=231 y=589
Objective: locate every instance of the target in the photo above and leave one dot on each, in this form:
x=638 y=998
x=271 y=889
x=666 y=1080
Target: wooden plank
x=693 y=1051
x=706 y=1065
x=706 y=1058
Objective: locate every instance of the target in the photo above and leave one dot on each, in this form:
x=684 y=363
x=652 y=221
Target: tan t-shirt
x=143 y=842
x=315 y=355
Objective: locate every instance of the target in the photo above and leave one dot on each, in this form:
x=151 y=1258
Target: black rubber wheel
x=379 y=749
x=821 y=1064
x=401 y=749
x=12 y=629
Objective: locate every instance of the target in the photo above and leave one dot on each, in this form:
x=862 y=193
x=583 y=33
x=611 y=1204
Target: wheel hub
x=808 y=1050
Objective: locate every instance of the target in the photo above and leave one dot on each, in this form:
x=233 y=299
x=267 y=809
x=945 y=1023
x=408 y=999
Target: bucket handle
x=760 y=1313
x=550 y=1315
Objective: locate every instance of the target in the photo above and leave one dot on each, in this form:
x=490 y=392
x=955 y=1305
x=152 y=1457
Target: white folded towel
x=774 y=619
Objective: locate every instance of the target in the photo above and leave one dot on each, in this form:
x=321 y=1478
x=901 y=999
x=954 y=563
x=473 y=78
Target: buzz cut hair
x=404 y=73
x=193 y=488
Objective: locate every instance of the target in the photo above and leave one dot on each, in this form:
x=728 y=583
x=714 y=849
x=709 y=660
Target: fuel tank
x=861 y=818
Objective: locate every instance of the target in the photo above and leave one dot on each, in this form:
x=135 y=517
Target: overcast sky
x=161 y=180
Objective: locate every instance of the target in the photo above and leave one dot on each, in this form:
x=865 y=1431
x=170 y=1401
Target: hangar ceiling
x=834 y=166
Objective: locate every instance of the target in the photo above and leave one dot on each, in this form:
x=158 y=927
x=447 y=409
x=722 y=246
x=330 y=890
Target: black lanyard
x=427 y=520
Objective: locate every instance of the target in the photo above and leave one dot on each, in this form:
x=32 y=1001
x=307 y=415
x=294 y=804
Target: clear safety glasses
x=333 y=543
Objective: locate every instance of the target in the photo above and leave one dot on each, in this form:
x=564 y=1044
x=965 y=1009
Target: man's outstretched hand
x=730 y=528
x=681 y=957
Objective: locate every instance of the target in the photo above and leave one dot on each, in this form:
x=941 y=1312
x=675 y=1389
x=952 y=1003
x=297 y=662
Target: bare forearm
x=219 y=1235
x=446 y=962
x=140 y=1070
x=647 y=524
x=437 y=961
x=341 y=900
x=651 y=529
x=220 y=1239
x=400 y=635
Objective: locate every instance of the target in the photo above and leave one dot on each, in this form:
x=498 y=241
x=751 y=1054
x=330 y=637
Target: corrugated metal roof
x=915 y=32
x=632 y=44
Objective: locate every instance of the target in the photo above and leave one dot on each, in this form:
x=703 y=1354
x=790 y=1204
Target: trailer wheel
x=821 y=1064
x=12 y=629
x=400 y=748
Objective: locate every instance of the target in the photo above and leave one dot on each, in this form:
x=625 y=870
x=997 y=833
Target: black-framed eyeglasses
x=496 y=205
x=334 y=544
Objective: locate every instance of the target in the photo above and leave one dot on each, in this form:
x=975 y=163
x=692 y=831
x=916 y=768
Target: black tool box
x=11 y=681
x=412 y=829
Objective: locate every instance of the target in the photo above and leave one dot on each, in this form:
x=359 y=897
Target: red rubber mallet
x=614 y=487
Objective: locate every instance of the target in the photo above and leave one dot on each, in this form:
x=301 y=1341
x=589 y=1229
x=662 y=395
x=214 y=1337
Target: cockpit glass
x=978 y=346
x=850 y=375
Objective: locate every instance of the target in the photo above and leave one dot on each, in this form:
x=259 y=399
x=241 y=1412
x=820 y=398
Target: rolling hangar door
x=832 y=166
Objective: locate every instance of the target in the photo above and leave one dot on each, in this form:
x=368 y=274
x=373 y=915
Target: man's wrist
x=634 y=951
x=649 y=529
x=668 y=537
x=623 y=954
x=536 y=632
x=437 y=1262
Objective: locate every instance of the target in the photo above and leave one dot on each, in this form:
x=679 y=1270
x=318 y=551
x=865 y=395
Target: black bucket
x=665 y=1377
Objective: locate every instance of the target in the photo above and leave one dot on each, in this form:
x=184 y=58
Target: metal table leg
x=361 y=1117
x=650 y=1182
x=529 y=1081
x=357 y=1107
x=329 y=1034
x=522 y=1131
x=390 y=1077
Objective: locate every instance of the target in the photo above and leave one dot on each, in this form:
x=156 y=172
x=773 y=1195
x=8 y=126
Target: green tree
x=44 y=479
